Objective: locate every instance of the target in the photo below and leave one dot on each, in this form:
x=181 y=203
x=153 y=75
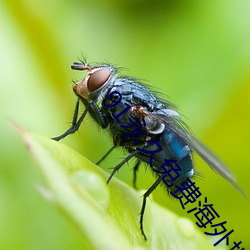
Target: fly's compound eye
x=97 y=79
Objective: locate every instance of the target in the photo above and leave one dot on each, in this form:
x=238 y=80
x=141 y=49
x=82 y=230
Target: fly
x=117 y=104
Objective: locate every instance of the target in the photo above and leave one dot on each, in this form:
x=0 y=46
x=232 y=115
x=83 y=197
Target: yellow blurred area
x=195 y=53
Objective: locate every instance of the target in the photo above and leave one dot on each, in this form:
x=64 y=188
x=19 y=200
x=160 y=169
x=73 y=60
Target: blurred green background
x=195 y=52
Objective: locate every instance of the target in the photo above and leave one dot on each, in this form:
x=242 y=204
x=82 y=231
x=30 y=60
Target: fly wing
x=212 y=160
x=174 y=123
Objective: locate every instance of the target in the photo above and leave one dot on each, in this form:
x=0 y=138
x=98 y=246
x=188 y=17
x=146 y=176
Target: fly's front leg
x=97 y=114
x=75 y=124
x=93 y=109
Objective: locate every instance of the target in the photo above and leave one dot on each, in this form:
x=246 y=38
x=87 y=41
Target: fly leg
x=91 y=107
x=97 y=114
x=145 y=196
x=116 y=168
x=132 y=154
x=75 y=124
x=136 y=167
x=105 y=155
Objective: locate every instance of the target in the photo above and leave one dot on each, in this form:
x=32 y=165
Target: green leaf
x=107 y=215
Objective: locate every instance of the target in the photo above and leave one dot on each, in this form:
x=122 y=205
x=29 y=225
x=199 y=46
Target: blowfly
x=148 y=127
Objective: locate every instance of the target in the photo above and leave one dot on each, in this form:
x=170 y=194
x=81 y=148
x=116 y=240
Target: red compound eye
x=97 y=79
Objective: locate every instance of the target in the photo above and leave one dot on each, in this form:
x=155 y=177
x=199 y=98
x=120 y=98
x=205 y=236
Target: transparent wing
x=174 y=123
